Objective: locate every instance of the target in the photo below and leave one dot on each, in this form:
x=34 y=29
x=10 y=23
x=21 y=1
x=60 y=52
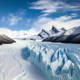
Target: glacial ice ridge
x=56 y=61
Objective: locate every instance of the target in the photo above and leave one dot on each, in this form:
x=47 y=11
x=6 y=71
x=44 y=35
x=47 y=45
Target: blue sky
x=34 y=15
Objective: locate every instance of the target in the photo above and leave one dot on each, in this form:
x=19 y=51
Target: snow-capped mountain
x=69 y=34
x=75 y=39
x=45 y=34
x=62 y=29
x=59 y=33
x=5 y=39
x=54 y=36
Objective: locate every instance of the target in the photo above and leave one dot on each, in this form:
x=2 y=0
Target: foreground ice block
x=56 y=61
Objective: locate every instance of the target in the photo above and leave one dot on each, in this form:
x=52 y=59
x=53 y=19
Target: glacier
x=13 y=65
x=57 y=61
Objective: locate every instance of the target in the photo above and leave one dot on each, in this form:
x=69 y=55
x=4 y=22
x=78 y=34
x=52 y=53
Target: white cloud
x=44 y=15
x=3 y=19
x=63 y=18
x=6 y=31
x=45 y=23
x=64 y=21
x=74 y=15
x=16 y=34
x=13 y=19
x=50 y=6
x=22 y=12
x=32 y=31
x=28 y=20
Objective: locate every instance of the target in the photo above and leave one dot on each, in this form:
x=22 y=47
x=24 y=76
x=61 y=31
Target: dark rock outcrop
x=43 y=33
x=75 y=39
x=5 y=39
x=54 y=29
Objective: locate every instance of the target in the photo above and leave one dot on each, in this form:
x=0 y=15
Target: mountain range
x=54 y=35
x=43 y=34
x=65 y=36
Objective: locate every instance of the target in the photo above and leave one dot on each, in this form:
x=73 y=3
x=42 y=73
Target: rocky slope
x=5 y=39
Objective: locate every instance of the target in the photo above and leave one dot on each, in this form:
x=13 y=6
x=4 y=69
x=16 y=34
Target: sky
x=34 y=15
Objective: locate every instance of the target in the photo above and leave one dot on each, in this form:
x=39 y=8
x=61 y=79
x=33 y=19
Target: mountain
x=45 y=34
x=62 y=29
x=54 y=36
x=66 y=36
x=75 y=39
x=69 y=34
x=54 y=30
x=5 y=39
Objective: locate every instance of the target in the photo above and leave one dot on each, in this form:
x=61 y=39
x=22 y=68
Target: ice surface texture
x=56 y=61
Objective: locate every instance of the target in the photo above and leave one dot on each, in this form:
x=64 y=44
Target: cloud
x=63 y=18
x=32 y=31
x=44 y=15
x=64 y=21
x=45 y=23
x=28 y=20
x=3 y=19
x=6 y=31
x=50 y=6
x=16 y=34
x=74 y=15
x=22 y=12
x=13 y=19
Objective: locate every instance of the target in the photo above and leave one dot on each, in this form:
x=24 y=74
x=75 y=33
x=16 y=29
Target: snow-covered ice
x=13 y=64
x=57 y=61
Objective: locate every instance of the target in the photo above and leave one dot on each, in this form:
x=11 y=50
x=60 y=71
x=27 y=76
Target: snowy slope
x=24 y=35
x=75 y=39
x=54 y=36
x=13 y=64
x=56 y=61
x=34 y=37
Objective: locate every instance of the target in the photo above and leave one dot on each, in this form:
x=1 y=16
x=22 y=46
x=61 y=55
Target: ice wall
x=56 y=63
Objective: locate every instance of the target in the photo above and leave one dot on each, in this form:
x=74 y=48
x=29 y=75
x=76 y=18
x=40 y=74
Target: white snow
x=0 y=32
x=13 y=64
x=57 y=61
x=74 y=30
x=59 y=34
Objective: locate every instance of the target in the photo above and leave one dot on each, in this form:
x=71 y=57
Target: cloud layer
x=50 y=6
x=13 y=19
